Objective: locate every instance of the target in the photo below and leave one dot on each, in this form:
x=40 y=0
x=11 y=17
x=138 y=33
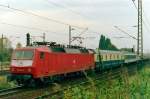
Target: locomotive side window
x=42 y=55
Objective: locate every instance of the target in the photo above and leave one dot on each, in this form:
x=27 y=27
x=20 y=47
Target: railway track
x=10 y=91
x=101 y=78
x=40 y=92
x=48 y=92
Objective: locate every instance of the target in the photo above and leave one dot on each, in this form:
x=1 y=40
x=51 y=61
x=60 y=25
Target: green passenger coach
x=106 y=59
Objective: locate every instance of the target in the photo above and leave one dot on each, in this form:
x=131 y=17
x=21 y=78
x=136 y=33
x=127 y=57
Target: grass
x=127 y=87
x=4 y=84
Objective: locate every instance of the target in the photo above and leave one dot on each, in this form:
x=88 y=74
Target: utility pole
x=69 y=35
x=2 y=47
x=2 y=43
x=44 y=37
x=140 y=30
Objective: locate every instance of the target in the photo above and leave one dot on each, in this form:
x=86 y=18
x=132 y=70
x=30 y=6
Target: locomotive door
x=44 y=63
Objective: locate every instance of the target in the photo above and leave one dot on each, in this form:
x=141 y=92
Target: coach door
x=43 y=60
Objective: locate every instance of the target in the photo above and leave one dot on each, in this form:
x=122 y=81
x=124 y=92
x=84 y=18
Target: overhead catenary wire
x=39 y=16
x=80 y=34
x=31 y=28
x=125 y=32
x=145 y=17
x=70 y=10
x=75 y=12
x=144 y=22
x=42 y=17
x=144 y=14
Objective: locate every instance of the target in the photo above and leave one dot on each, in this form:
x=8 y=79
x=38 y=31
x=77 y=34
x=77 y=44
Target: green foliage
x=4 y=84
x=126 y=87
x=5 y=55
x=102 y=42
x=5 y=49
x=105 y=44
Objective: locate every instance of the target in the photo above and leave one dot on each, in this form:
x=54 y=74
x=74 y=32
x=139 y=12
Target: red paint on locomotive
x=45 y=62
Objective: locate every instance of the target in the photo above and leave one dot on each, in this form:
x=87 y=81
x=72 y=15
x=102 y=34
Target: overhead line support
x=140 y=30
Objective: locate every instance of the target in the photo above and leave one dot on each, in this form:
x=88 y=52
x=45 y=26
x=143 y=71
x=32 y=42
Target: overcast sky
x=99 y=16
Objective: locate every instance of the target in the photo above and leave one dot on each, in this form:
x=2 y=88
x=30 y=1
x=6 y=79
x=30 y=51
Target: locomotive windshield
x=23 y=54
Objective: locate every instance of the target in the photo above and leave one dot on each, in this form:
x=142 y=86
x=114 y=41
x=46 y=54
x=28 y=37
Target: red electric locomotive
x=45 y=63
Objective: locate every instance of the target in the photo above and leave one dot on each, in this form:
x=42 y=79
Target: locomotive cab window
x=42 y=55
x=23 y=54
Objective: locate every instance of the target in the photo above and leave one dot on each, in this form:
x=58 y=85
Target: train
x=33 y=65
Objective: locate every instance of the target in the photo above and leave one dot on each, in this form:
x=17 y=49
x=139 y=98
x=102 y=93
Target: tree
x=5 y=49
x=19 y=45
x=108 y=44
x=102 y=42
x=105 y=44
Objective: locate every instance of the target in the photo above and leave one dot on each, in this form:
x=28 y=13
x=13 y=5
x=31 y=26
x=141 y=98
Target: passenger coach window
x=101 y=57
x=42 y=55
x=117 y=56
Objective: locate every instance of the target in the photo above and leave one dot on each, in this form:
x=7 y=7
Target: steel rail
x=10 y=91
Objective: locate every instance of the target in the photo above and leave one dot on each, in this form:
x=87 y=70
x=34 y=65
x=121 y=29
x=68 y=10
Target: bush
x=127 y=87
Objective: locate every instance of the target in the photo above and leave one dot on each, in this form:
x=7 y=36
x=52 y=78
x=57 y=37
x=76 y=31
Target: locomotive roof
x=56 y=49
x=41 y=48
x=68 y=50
